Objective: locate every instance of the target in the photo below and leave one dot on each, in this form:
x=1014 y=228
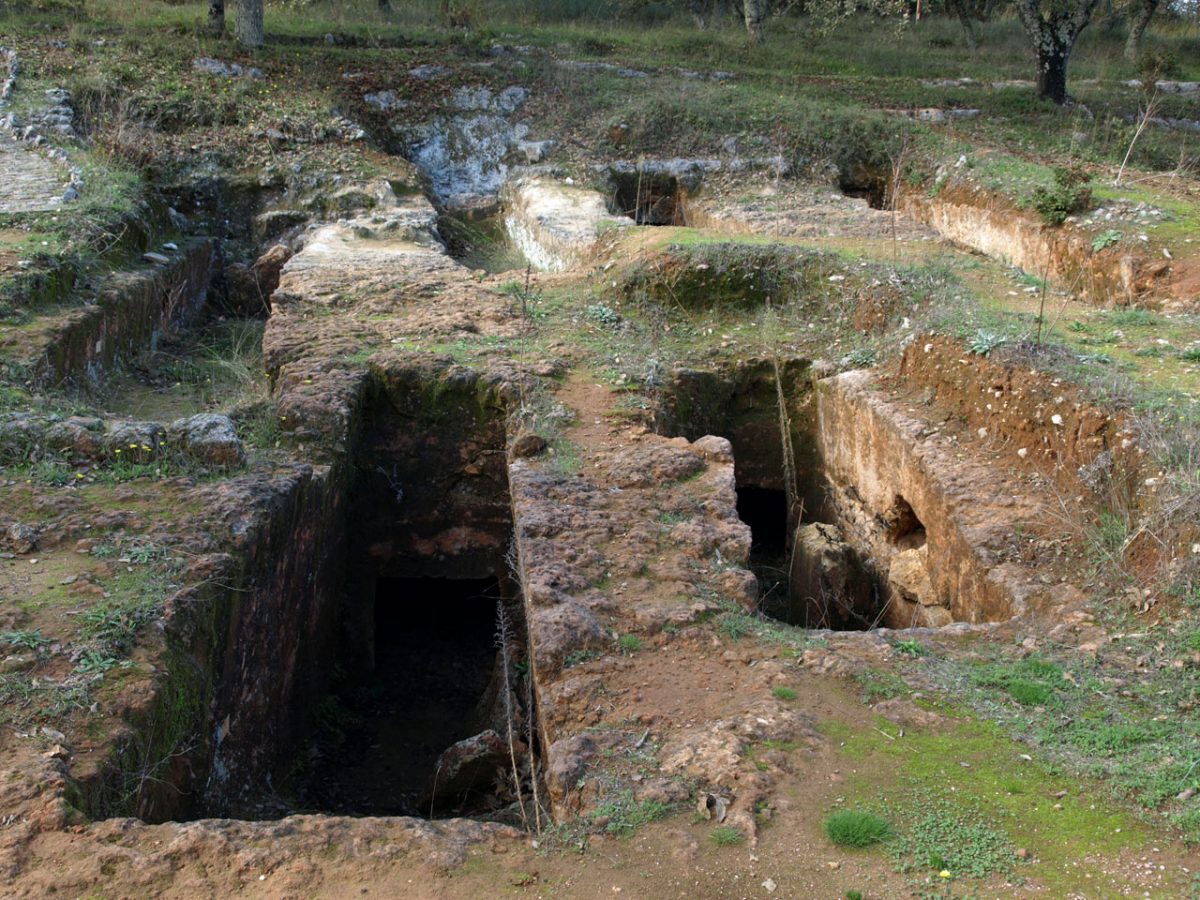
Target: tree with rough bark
x=1053 y=26
x=216 y=16
x=250 y=23
x=756 y=13
x=1140 y=14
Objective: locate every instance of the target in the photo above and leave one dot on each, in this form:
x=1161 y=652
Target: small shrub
x=854 y=895
x=1154 y=63
x=854 y=828
x=1070 y=193
x=726 y=836
x=1110 y=534
x=909 y=648
x=603 y=315
x=783 y=693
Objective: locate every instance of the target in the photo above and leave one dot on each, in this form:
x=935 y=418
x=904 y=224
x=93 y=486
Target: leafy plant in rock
x=861 y=358
x=623 y=815
x=1105 y=239
x=27 y=640
x=983 y=342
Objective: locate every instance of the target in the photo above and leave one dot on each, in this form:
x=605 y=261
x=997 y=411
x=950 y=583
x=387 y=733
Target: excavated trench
x=824 y=553
x=369 y=656
x=426 y=688
x=480 y=243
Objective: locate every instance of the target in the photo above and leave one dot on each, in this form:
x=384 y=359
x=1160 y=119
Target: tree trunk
x=250 y=22
x=756 y=12
x=216 y=16
x=1052 y=73
x=699 y=10
x=1139 y=17
x=1053 y=33
x=964 y=19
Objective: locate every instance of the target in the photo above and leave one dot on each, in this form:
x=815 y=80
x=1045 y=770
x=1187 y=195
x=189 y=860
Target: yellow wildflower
x=945 y=873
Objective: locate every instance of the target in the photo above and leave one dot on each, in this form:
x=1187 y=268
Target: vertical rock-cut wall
x=280 y=634
x=883 y=469
x=131 y=312
x=554 y=224
x=249 y=643
x=978 y=220
x=430 y=496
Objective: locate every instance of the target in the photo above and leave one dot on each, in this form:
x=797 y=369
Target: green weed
x=624 y=815
x=909 y=648
x=948 y=837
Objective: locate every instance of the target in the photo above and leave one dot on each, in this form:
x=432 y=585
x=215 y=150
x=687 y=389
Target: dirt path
x=28 y=181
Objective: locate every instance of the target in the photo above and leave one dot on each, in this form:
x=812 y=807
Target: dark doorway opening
x=649 y=198
x=766 y=512
x=905 y=530
x=378 y=738
x=871 y=188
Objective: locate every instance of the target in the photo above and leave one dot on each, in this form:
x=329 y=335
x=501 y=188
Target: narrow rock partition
x=554 y=224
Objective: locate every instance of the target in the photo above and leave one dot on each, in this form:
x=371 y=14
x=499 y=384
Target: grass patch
x=999 y=788
x=877 y=685
x=726 y=836
x=855 y=828
x=629 y=643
